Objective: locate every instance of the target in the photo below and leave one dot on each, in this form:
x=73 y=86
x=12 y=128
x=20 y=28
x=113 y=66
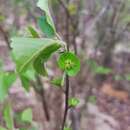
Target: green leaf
x=3 y=89
x=39 y=67
x=8 y=117
x=70 y=63
x=127 y=77
x=37 y=63
x=6 y=80
x=92 y=99
x=118 y=77
x=9 y=78
x=46 y=27
x=102 y=70
x=67 y=128
x=43 y=4
x=23 y=129
x=33 y=32
x=57 y=82
x=27 y=115
x=25 y=82
x=42 y=58
x=2 y=128
x=73 y=102
x=2 y=18
x=72 y=8
x=126 y=19
x=26 y=77
x=1 y=65
x=27 y=50
x=98 y=69
x=30 y=74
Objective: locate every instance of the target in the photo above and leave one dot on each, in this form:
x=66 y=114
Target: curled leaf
x=33 y=32
x=27 y=50
x=45 y=27
x=43 y=4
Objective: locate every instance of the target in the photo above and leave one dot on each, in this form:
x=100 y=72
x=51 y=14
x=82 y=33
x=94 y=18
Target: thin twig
x=76 y=32
x=66 y=102
x=39 y=89
x=67 y=31
x=44 y=103
x=73 y=24
x=67 y=12
x=5 y=35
